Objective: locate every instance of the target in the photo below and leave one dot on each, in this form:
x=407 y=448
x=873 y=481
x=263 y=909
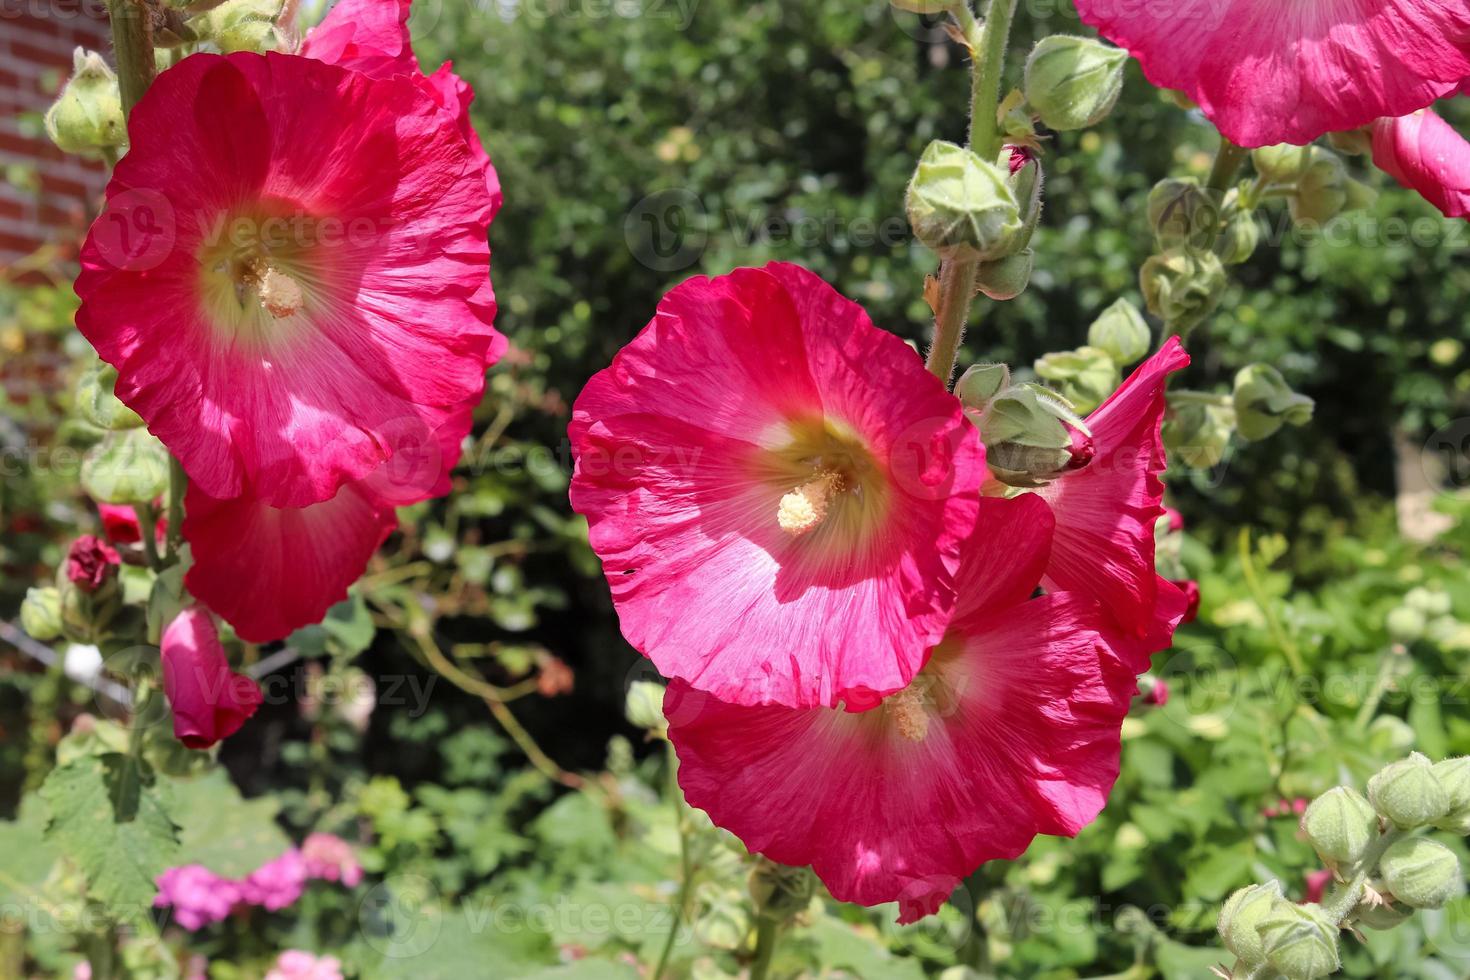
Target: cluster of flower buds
x=1367 y=845
x=1086 y=376
x=1314 y=179
x=1200 y=424
x=242 y=25
x=1032 y=435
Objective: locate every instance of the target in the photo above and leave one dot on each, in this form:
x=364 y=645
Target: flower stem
x=956 y=287
x=132 y=40
x=178 y=483
x=686 y=865
x=767 y=935
x=1228 y=159
x=147 y=523
x=1340 y=904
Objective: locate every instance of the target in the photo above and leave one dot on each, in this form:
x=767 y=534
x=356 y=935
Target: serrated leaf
x=113 y=823
x=221 y=830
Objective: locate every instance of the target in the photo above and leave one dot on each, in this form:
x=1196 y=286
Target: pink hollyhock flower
x=120 y=524
x=210 y=701
x=330 y=858
x=197 y=895
x=300 y=561
x=91 y=563
x=1190 y=588
x=371 y=36
x=1106 y=511
x=1155 y=693
x=778 y=491
x=1175 y=519
x=1011 y=730
x=1424 y=153
x=316 y=272
x=1269 y=73
x=276 y=884
x=296 y=964
x=1317 y=882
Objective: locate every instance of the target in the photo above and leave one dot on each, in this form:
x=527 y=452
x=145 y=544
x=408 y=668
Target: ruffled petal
x=369 y=36
x=1424 y=153
x=1269 y=72
x=674 y=447
x=1005 y=558
x=1105 y=512
x=210 y=702
x=1023 y=720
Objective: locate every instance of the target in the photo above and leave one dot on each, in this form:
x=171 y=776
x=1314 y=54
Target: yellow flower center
x=909 y=711
x=806 y=507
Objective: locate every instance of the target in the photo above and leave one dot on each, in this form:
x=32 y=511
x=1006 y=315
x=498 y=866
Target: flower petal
x=1424 y=153
x=210 y=702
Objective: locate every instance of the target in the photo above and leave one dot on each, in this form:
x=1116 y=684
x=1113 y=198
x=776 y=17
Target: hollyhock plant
x=120 y=524
x=1106 y=511
x=210 y=702
x=321 y=273
x=1424 y=153
x=1269 y=73
x=1010 y=730
x=91 y=563
x=197 y=895
x=760 y=464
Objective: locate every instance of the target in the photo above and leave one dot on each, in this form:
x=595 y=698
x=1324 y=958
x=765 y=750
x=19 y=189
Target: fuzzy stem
x=767 y=935
x=178 y=483
x=132 y=42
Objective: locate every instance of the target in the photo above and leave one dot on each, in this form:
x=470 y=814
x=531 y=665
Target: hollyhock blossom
x=1190 y=589
x=91 y=563
x=778 y=491
x=296 y=964
x=1424 y=153
x=1106 y=511
x=1269 y=73
x=1011 y=730
x=315 y=272
x=330 y=858
x=276 y=884
x=197 y=895
x=1317 y=882
x=371 y=36
x=120 y=524
x=210 y=702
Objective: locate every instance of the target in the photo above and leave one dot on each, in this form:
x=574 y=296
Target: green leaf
x=112 y=821
x=226 y=833
x=29 y=857
x=841 y=945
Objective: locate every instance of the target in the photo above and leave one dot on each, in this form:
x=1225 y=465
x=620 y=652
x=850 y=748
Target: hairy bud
x=1007 y=278
x=962 y=206
x=1301 y=942
x=96 y=402
x=1198 y=434
x=1422 y=873
x=1340 y=824
x=980 y=383
x=1240 y=921
x=1281 y=164
x=1454 y=779
x=1264 y=401
x=88 y=117
x=1085 y=376
x=1408 y=794
x=1121 y=331
x=127 y=467
x=1182 y=214
x=40 y=613
x=1073 y=82
x=1030 y=436
x=1183 y=287
x=1240 y=238
x=644 y=705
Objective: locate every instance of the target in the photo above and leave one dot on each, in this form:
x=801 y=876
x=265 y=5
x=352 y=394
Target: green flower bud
x=1240 y=921
x=1408 y=794
x=241 y=25
x=1429 y=602
x=1340 y=824
x=1380 y=917
x=1183 y=287
x=644 y=705
x=1405 y=624
x=1183 y=214
x=1321 y=190
x=127 y=467
x=1198 y=434
x=1281 y=164
x=98 y=405
x=1263 y=401
x=1007 y=278
x=1027 y=432
x=980 y=383
x=88 y=116
x=1026 y=184
x=1085 y=376
x=1073 y=82
x=40 y=613
x=961 y=206
x=1454 y=778
x=1390 y=736
x=1122 y=332
x=1301 y=942
x=779 y=891
x=1241 y=236
x=1353 y=142
x=1422 y=873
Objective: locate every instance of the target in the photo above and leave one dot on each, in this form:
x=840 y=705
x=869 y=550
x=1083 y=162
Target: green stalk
x=132 y=42
x=767 y=936
x=178 y=483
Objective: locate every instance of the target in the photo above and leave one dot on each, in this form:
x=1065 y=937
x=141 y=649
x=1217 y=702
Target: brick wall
x=56 y=194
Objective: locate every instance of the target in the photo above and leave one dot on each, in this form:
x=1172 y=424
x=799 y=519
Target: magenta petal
x=210 y=702
x=1424 y=153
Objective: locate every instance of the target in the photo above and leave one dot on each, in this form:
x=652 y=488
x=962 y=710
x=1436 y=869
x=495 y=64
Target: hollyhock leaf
x=1424 y=153
x=1105 y=512
x=210 y=702
x=1268 y=74
x=1015 y=732
x=118 y=858
x=761 y=463
x=222 y=831
x=298 y=561
x=315 y=275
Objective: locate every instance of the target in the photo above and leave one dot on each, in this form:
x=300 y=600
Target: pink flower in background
x=322 y=281
x=197 y=895
x=1011 y=730
x=1106 y=512
x=210 y=702
x=276 y=884
x=1267 y=72
x=91 y=563
x=1190 y=590
x=296 y=964
x=1424 y=153
x=1317 y=883
x=778 y=491
x=330 y=858
x=120 y=524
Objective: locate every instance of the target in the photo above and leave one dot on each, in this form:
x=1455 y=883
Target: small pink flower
x=1158 y=694
x=210 y=702
x=296 y=964
x=91 y=563
x=120 y=524
x=778 y=490
x=1190 y=588
x=277 y=883
x=197 y=895
x=1424 y=153
x=330 y=858
x=1011 y=730
x=1175 y=519
x=1268 y=73
x=1317 y=883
